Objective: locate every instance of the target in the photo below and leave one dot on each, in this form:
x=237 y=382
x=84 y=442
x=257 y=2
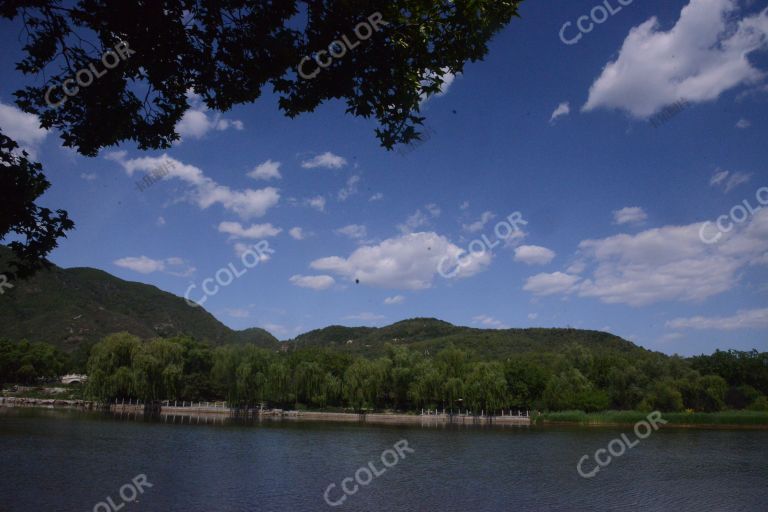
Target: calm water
x=70 y=461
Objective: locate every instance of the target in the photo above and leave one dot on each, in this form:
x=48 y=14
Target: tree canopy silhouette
x=228 y=51
x=22 y=182
x=105 y=72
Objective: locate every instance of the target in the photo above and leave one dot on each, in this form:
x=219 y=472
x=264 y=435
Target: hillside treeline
x=123 y=366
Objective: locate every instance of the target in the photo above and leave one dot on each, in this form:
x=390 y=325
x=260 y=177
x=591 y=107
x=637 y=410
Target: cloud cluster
x=745 y=319
x=204 y=191
x=196 y=121
x=267 y=170
x=629 y=215
x=729 y=180
x=407 y=262
x=321 y=282
x=662 y=264
x=255 y=231
x=22 y=127
x=326 y=160
x=703 y=55
x=562 y=109
x=144 y=265
x=534 y=255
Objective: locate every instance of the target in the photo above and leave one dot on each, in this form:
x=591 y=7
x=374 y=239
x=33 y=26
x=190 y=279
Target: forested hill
x=71 y=307
x=432 y=335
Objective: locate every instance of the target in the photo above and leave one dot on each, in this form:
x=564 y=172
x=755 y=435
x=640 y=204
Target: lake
x=73 y=461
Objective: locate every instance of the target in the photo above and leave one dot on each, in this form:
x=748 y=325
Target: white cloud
x=88 y=176
x=365 y=317
x=237 y=230
x=267 y=170
x=204 y=192
x=378 y=196
x=489 y=321
x=562 y=109
x=407 y=262
x=577 y=267
x=195 y=122
x=144 y=265
x=296 y=233
x=431 y=76
x=241 y=248
x=354 y=231
x=743 y=124
x=533 y=316
x=702 y=56
x=395 y=299
x=629 y=215
x=479 y=225
x=313 y=282
x=729 y=180
x=662 y=264
x=419 y=219
x=745 y=319
x=22 y=127
x=350 y=189
x=317 y=202
x=550 y=284
x=327 y=161
x=464 y=205
x=160 y=221
x=141 y=264
x=534 y=255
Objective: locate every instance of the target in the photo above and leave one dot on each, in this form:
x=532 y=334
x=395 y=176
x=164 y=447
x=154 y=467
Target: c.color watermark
x=128 y=493
x=738 y=214
x=363 y=30
x=617 y=447
x=4 y=284
x=86 y=76
x=365 y=475
x=504 y=230
x=154 y=176
x=226 y=275
x=599 y=14
x=668 y=112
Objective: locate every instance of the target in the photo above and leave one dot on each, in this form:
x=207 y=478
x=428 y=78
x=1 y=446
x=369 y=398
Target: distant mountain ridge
x=432 y=335
x=70 y=307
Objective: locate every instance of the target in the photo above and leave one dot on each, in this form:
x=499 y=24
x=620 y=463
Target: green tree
x=21 y=184
x=110 y=372
x=157 y=368
x=486 y=387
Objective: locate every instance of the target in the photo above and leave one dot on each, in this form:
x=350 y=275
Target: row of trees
x=122 y=366
x=25 y=362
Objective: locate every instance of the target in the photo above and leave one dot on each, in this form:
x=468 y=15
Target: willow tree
x=486 y=387
x=228 y=52
x=110 y=374
x=157 y=367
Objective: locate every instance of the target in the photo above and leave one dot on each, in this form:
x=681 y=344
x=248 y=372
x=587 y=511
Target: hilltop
x=76 y=306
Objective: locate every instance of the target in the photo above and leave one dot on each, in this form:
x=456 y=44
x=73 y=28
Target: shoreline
x=220 y=414
x=698 y=426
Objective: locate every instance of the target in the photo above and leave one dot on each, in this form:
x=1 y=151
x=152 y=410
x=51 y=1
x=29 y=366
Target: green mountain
x=73 y=307
x=76 y=306
x=432 y=335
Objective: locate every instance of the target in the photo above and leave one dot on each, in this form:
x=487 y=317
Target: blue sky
x=558 y=132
